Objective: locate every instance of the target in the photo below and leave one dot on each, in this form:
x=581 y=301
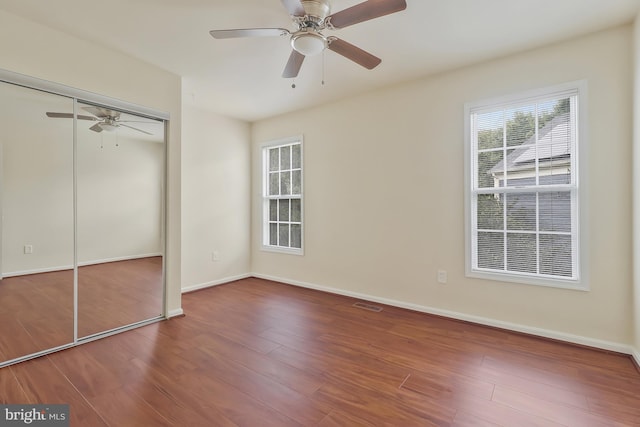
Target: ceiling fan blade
x=96 y=128
x=131 y=127
x=354 y=53
x=294 y=7
x=294 y=63
x=69 y=116
x=249 y=32
x=137 y=121
x=365 y=11
x=102 y=112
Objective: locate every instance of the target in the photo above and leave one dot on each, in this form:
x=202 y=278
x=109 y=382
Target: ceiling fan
x=311 y=17
x=108 y=120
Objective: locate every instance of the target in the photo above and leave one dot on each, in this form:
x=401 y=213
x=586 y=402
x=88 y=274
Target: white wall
x=119 y=200
x=384 y=205
x=36 y=181
x=38 y=51
x=215 y=198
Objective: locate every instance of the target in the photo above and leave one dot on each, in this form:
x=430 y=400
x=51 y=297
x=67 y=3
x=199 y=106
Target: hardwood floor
x=259 y=353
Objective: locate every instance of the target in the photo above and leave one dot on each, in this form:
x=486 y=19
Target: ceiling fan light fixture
x=308 y=43
x=108 y=127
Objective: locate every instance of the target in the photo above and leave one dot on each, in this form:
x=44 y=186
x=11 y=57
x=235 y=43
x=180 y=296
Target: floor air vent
x=366 y=306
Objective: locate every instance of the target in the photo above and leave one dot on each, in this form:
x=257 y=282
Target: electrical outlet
x=215 y=256
x=28 y=249
x=442 y=276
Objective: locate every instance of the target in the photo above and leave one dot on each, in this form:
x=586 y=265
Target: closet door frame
x=78 y=95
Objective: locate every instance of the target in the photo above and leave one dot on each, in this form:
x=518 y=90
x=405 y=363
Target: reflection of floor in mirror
x=114 y=294
x=36 y=313
x=36 y=310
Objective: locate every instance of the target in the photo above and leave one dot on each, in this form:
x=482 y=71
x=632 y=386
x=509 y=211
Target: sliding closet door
x=37 y=233
x=120 y=179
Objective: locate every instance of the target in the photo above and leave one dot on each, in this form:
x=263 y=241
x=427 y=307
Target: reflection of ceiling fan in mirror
x=108 y=120
x=311 y=17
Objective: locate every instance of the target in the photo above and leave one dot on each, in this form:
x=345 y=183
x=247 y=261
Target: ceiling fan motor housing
x=316 y=10
x=308 y=40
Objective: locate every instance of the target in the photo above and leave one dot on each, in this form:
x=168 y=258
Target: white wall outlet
x=28 y=249
x=442 y=276
x=215 y=256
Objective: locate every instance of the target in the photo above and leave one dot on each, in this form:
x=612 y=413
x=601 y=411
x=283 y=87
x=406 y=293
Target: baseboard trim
x=37 y=271
x=175 y=313
x=193 y=288
x=80 y=264
x=635 y=355
x=116 y=259
x=545 y=333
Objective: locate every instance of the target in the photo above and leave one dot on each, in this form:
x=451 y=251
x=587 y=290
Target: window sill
x=574 y=285
x=287 y=251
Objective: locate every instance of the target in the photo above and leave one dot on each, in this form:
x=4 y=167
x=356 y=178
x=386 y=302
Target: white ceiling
x=242 y=77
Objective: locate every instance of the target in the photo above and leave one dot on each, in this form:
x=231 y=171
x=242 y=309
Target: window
x=522 y=188
x=282 y=196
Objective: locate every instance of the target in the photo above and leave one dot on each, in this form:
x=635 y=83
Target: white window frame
x=579 y=213
x=266 y=198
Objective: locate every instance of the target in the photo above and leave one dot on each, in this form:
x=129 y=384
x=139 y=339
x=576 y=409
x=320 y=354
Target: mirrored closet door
x=82 y=218
x=36 y=189
x=120 y=176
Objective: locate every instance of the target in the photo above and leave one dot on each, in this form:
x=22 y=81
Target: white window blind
x=282 y=196
x=524 y=190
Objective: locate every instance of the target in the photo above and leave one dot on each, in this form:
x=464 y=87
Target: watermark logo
x=34 y=415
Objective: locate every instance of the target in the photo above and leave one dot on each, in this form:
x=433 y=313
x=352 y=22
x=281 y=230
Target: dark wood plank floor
x=259 y=353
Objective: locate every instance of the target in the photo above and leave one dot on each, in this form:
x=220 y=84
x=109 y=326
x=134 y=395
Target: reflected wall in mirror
x=37 y=228
x=120 y=178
